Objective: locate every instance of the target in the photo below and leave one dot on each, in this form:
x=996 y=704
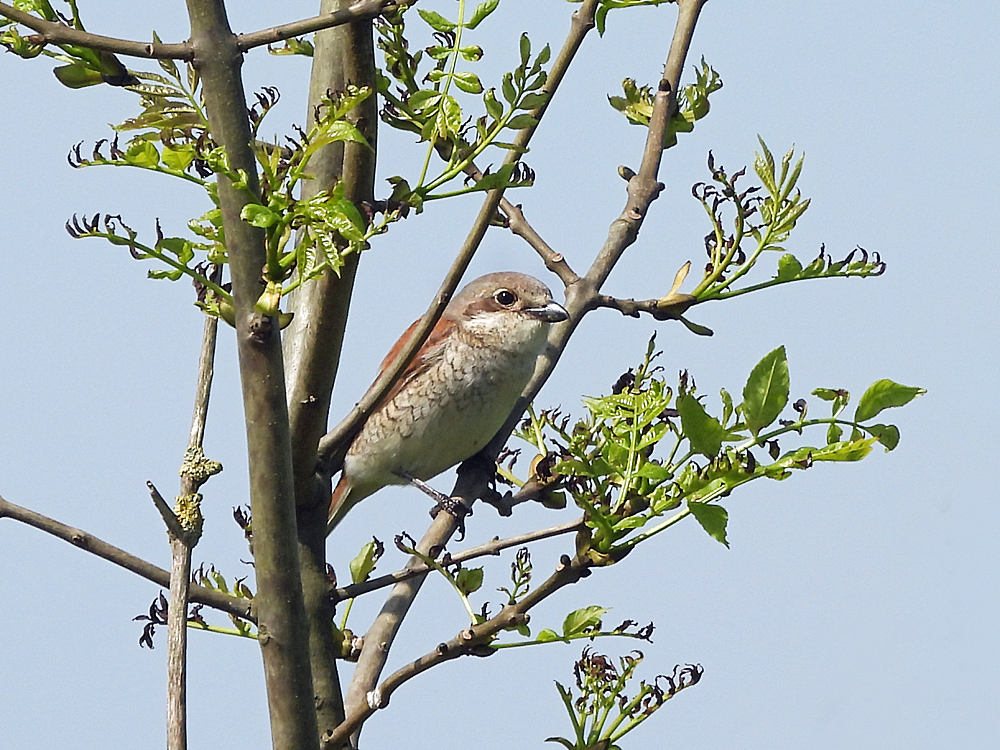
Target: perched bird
x=457 y=392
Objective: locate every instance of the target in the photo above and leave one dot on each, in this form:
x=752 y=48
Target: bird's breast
x=443 y=414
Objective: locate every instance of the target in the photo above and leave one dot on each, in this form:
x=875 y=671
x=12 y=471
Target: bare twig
x=554 y=261
x=654 y=307
x=475 y=640
x=173 y=525
x=493 y=547
x=359 y=11
x=581 y=298
x=471 y=482
x=184 y=534
x=283 y=627
x=52 y=32
x=519 y=225
x=209 y=597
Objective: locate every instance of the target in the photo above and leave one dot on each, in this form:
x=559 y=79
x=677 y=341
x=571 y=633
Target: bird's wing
x=429 y=353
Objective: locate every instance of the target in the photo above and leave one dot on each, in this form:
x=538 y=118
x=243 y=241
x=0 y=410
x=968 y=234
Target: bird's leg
x=452 y=505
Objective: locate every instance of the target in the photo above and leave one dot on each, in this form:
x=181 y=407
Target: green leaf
x=834 y=433
x=178 y=246
x=887 y=434
x=77 y=76
x=547 y=636
x=469 y=83
x=581 y=620
x=703 y=431
x=493 y=108
x=713 y=519
x=142 y=154
x=258 y=215
x=507 y=89
x=847 y=450
x=423 y=99
x=482 y=10
x=469 y=580
x=435 y=20
x=766 y=391
x=178 y=157
x=532 y=101
x=525 y=48
x=519 y=122
x=364 y=562
x=884 y=394
x=168 y=65
x=449 y=119
x=160 y=274
x=654 y=472
x=788 y=267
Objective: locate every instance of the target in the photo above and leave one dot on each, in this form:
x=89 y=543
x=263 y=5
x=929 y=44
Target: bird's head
x=508 y=308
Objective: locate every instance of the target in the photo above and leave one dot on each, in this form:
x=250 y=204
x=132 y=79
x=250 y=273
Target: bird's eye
x=505 y=297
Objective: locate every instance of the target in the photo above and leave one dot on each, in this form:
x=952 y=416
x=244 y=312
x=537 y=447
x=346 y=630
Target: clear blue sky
x=858 y=604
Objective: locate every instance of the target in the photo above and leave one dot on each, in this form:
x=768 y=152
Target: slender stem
x=180 y=576
x=88 y=542
x=182 y=542
x=282 y=624
x=362 y=10
x=470 y=483
x=475 y=640
x=59 y=33
x=489 y=548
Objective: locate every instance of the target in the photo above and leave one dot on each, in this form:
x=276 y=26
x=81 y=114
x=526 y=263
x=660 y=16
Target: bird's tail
x=339 y=504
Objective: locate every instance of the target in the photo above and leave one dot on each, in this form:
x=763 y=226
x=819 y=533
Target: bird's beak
x=550 y=313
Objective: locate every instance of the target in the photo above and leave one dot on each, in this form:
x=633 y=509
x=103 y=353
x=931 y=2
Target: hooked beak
x=550 y=313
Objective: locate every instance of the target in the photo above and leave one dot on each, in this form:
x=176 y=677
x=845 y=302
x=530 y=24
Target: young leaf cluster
x=645 y=457
x=428 y=103
x=692 y=103
x=171 y=136
x=604 y=712
x=747 y=223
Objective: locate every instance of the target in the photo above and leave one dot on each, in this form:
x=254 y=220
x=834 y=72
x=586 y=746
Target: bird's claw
x=456 y=508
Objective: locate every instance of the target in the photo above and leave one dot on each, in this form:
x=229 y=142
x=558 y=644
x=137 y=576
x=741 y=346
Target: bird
x=458 y=390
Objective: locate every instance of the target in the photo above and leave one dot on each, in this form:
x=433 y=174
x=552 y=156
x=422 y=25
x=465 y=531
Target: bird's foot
x=452 y=505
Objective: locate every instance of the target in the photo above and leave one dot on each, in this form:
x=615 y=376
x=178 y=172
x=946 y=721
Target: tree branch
x=312 y=344
x=209 y=597
x=52 y=32
x=475 y=641
x=554 y=261
x=281 y=615
x=362 y=10
x=184 y=534
x=493 y=547
x=471 y=481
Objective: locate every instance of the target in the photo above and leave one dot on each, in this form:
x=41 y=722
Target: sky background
x=858 y=604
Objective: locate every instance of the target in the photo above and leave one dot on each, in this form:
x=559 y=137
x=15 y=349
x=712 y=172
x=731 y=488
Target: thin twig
x=173 y=525
x=493 y=547
x=554 y=261
x=199 y=594
x=471 y=483
x=654 y=307
x=519 y=225
x=475 y=640
x=581 y=297
x=183 y=539
x=359 y=11
x=52 y=32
